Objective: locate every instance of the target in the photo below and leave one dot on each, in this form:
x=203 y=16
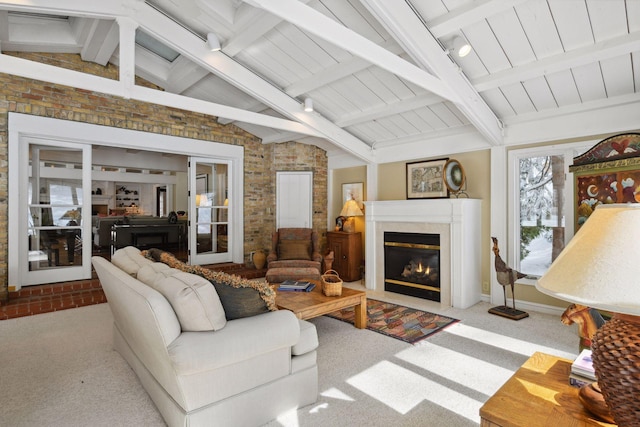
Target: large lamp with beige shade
x=600 y=268
x=350 y=210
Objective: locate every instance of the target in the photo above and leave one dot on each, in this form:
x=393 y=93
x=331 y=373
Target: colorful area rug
x=396 y=321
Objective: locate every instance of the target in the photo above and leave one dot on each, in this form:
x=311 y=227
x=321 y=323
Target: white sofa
x=242 y=372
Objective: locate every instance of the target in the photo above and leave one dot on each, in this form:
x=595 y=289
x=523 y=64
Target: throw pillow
x=194 y=301
x=154 y=272
x=294 y=249
x=239 y=297
x=129 y=259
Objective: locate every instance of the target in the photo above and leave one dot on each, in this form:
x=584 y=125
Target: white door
x=54 y=211
x=209 y=198
x=294 y=199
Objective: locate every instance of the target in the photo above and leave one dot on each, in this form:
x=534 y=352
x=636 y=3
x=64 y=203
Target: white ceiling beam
x=445 y=143
x=469 y=14
x=599 y=51
x=595 y=105
x=425 y=137
x=25 y=34
x=250 y=25
x=277 y=137
x=408 y=29
x=99 y=39
x=314 y=22
x=194 y=48
x=398 y=107
x=253 y=29
x=255 y=106
x=127 y=53
x=336 y=72
x=182 y=40
x=49 y=73
x=225 y=10
x=86 y=8
x=614 y=119
x=148 y=66
x=160 y=26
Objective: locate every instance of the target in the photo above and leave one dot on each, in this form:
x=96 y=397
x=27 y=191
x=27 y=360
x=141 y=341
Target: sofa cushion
x=239 y=297
x=294 y=249
x=194 y=300
x=152 y=273
x=129 y=259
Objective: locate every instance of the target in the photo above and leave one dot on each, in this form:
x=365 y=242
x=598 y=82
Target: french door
x=54 y=211
x=210 y=200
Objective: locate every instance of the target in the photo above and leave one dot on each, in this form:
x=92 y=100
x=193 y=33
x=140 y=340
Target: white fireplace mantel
x=457 y=221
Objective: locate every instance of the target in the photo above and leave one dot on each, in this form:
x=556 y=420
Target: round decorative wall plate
x=454 y=176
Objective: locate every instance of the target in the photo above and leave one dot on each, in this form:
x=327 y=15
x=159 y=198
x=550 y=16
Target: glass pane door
x=56 y=214
x=209 y=229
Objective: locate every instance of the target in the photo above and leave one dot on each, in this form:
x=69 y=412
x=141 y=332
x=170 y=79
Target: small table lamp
x=349 y=210
x=600 y=268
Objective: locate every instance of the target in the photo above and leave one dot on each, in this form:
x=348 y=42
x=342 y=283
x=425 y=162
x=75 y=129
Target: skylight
x=146 y=41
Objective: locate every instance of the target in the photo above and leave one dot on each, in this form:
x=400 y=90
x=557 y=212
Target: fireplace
x=457 y=222
x=412 y=264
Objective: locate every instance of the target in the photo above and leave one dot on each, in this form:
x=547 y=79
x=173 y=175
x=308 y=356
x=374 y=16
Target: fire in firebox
x=412 y=264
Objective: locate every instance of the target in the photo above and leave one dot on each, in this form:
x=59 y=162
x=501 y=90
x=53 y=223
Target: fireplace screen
x=412 y=264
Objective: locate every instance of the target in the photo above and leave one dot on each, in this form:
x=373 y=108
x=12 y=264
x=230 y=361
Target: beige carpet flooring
x=58 y=369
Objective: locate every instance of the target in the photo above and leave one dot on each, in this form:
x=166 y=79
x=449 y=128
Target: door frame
x=46 y=128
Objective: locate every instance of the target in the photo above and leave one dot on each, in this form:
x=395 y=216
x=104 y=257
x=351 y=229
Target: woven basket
x=331 y=284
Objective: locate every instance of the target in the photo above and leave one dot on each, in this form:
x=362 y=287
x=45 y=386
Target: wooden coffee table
x=307 y=305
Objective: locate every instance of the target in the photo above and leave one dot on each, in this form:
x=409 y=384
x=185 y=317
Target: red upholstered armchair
x=295 y=254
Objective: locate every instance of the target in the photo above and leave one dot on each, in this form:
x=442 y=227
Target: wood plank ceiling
x=385 y=82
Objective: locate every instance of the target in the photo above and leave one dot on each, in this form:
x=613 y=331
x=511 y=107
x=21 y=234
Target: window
x=541 y=210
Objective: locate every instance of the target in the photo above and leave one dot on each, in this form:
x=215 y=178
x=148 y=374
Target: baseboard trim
x=531 y=306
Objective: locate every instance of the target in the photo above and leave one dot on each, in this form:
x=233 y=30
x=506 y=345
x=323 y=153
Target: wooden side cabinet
x=347 y=254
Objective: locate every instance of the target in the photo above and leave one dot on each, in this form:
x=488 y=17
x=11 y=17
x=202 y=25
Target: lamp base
x=348 y=226
x=508 y=312
x=592 y=399
x=616 y=359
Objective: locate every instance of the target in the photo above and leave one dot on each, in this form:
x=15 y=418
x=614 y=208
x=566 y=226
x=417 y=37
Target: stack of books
x=296 y=286
x=582 y=371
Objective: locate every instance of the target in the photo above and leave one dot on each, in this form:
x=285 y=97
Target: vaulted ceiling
x=384 y=77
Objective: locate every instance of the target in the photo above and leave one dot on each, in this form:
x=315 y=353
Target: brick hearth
x=39 y=299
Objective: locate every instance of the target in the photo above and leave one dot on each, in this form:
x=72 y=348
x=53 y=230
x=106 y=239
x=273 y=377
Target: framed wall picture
x=353 y=190
x=425 y=179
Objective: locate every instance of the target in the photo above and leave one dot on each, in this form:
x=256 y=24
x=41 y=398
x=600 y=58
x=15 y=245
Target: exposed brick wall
x=61 y=102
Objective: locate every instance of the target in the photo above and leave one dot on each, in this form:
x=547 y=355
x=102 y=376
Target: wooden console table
x=538 y=394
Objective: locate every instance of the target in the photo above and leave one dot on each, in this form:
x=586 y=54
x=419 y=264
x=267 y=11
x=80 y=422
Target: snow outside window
x=542 y=208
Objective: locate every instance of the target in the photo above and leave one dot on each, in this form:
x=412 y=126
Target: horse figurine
x=588 y=319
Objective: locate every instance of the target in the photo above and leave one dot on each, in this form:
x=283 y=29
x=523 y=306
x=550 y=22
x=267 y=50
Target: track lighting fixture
x=308 y=105
x=213 y=42
x=461 y=47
